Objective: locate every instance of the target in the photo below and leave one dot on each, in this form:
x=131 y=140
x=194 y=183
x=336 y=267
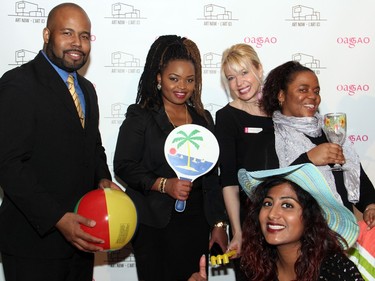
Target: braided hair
x=165 y=49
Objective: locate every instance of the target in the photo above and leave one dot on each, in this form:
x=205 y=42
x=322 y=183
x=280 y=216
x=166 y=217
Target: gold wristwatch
x=221 y=224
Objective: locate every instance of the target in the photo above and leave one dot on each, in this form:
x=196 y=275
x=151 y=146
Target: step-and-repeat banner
x=334 y=38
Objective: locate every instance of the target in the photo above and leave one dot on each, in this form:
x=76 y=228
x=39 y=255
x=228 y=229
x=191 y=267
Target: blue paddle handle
x=180 y=205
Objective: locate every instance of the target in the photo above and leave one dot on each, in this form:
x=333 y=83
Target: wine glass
x=335 y=130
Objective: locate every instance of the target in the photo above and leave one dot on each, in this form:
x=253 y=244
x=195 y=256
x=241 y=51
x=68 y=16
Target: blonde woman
x=241 y=127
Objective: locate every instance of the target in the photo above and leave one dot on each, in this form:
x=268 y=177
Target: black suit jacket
x=47 y=160
x=139 y=160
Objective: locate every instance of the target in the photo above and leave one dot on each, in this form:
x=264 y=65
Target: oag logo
x=353 y=89
x=353 y=41
x=358 y=138
x=259 y=41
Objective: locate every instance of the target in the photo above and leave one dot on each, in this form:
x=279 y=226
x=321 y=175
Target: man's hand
x=69 y=226
x=106 y=183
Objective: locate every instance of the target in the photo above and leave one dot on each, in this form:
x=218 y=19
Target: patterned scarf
x=291 y=142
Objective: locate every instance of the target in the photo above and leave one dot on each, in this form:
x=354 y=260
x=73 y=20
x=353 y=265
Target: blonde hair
x=237 y=58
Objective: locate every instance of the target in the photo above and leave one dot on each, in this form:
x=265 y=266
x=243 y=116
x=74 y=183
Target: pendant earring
x=158 y=86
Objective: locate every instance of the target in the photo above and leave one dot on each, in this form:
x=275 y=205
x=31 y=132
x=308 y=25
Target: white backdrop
x=334 y=38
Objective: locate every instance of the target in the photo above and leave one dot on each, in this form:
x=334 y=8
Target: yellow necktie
x=75 y=97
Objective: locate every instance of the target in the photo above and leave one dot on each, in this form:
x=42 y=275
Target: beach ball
x=115 y=215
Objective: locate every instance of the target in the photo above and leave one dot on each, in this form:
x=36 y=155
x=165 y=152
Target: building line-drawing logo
x=308 y=61
x=118 y=110
x=22 y=56
x=124 y=11
x=122 y=62
x=305 y=13
x=122 y=59
x=28 y=9
x=211 y=60
x=213 y=13
x=117 y=115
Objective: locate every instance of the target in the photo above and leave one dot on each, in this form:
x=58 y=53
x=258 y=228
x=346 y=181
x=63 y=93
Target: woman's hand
x=369 y=215
x=326 y=153
x=236 y=244
x=178 y=189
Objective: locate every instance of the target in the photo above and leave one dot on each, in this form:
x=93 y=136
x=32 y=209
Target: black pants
x=79 y=267
x=240 y=275
x=172 y=253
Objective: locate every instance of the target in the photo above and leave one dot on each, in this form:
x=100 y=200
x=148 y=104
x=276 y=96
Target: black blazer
x=139 y=160
x=47 y=160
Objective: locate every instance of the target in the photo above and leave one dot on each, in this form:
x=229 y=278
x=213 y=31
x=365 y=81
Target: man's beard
x=60 y=62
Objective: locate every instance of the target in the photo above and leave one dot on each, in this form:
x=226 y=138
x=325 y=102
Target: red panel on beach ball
x=115 y=216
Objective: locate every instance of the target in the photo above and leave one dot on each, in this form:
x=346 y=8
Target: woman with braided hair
x=168 y=244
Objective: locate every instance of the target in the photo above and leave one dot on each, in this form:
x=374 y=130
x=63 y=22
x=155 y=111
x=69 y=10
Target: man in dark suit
x=48 y=158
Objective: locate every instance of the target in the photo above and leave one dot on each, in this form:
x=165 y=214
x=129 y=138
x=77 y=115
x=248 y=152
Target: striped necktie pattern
x=75 y=98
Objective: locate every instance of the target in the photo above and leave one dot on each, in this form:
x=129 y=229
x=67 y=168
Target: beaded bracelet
x=162 y=189
x=161 y=186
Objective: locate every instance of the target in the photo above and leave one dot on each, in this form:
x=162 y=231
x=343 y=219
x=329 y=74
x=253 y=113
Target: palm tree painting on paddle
x=191 y=151
x=188 y=139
